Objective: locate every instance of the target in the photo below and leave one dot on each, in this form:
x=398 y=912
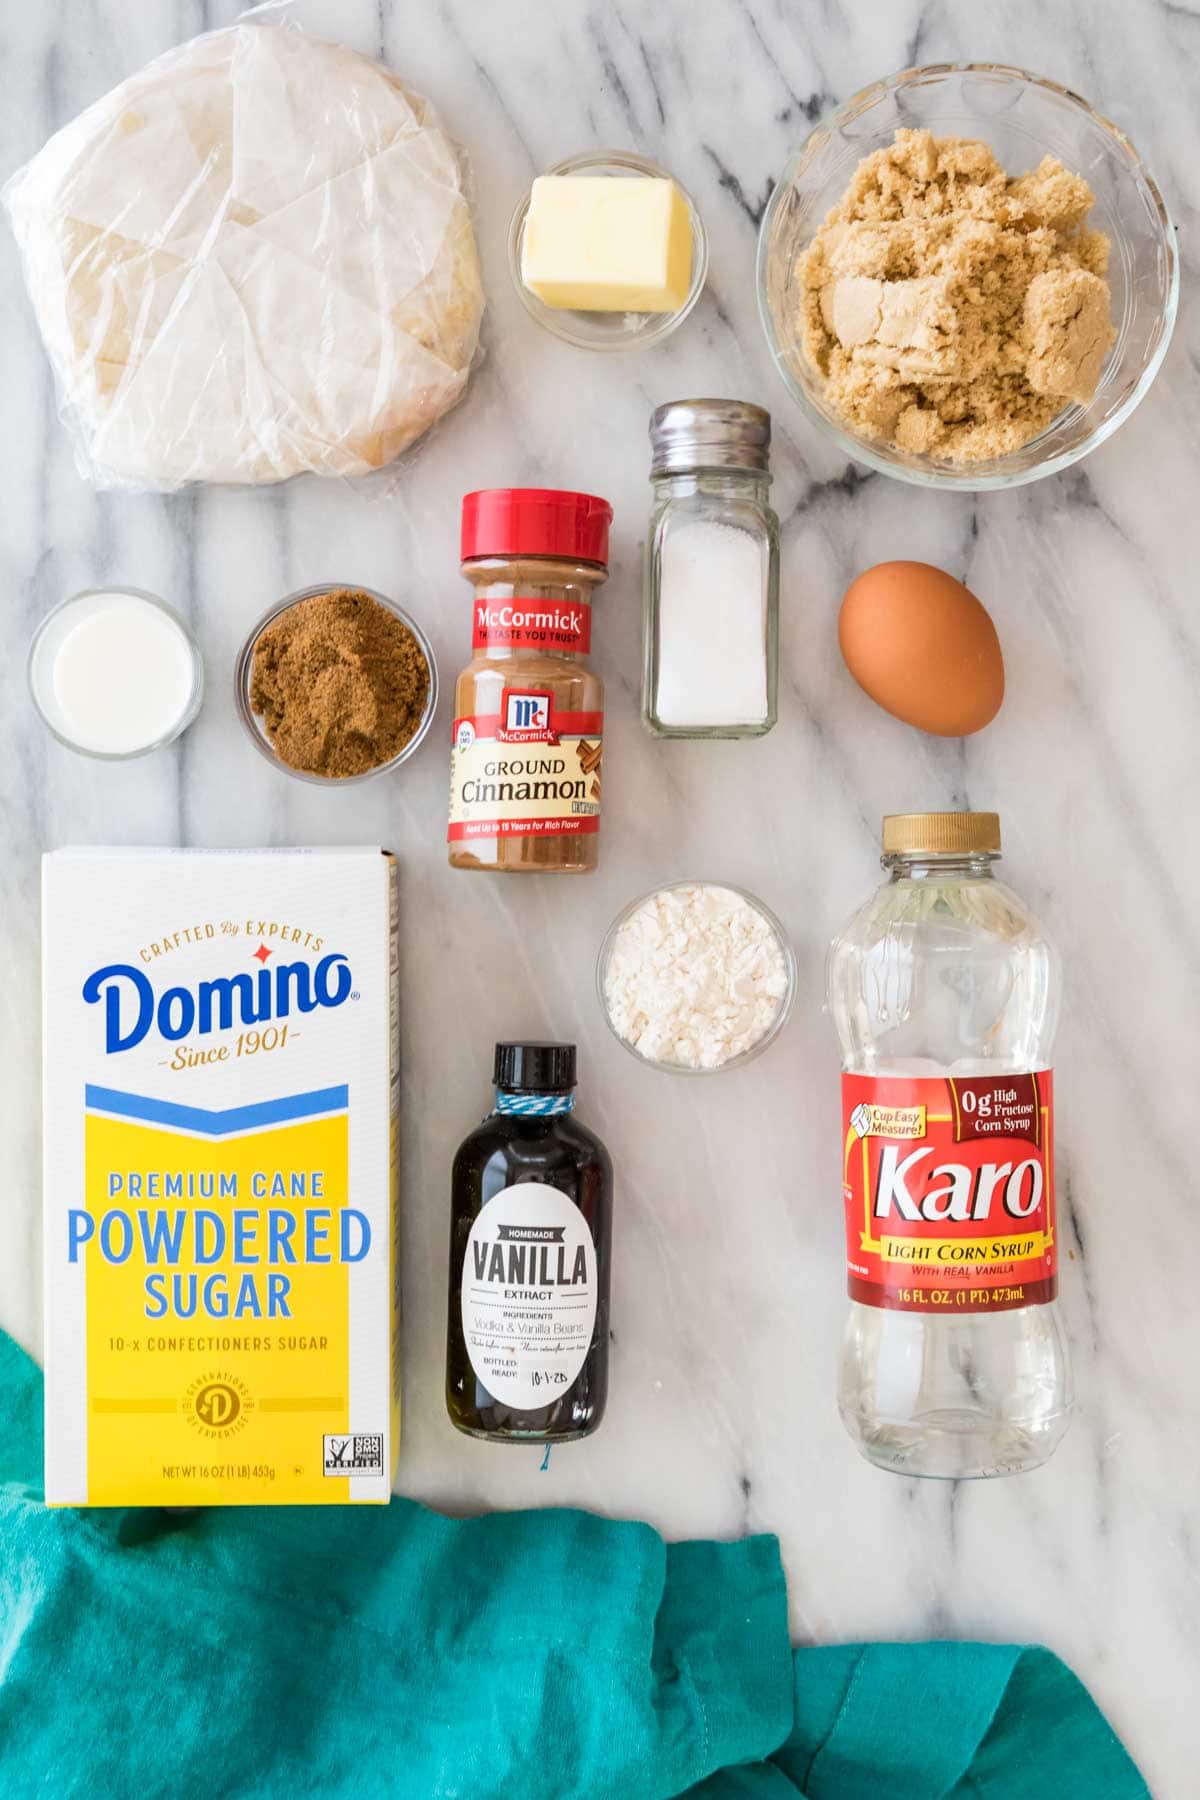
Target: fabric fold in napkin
x=942 y=1721
x=387 y=1651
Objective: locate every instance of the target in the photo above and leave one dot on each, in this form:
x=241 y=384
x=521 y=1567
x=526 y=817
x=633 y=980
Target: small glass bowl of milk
x=115 y=672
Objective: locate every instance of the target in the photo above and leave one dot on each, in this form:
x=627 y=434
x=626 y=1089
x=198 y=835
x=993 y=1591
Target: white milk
x=114 y=673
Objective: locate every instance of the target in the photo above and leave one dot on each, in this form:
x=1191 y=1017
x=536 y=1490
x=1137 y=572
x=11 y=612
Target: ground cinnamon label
x=340 y=683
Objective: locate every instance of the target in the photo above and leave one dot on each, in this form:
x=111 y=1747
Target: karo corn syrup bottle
x=945 y=990
x=530 y=1234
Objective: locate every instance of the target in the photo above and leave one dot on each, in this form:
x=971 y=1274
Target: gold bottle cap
x=942 y=834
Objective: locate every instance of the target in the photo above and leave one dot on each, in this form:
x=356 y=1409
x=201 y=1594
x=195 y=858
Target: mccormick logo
x=536 y=624
x=506 y=620
x=526 y=720
x=131 y=1006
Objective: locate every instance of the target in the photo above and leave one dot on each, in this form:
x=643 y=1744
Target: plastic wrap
x=252 y=259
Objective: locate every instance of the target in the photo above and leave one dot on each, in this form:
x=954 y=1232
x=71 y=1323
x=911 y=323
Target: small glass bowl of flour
x=115 y=672
x=696 y=977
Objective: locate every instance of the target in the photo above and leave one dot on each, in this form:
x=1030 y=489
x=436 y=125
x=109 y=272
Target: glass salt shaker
x=712 y=573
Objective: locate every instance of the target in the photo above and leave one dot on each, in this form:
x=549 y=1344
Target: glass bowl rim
x=245 y=661
x=554 y=320
x=781 y=937
x=195 y=699
x=864 y=451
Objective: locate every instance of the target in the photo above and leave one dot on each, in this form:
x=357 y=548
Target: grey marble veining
x=728 y=1296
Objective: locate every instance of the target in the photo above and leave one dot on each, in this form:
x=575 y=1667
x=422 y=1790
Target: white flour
x=696 y=976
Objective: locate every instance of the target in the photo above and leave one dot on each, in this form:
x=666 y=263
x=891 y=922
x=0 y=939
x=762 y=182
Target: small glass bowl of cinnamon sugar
x=336 y=684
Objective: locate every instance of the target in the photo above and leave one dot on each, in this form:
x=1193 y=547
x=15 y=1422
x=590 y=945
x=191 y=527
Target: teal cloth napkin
x=249 y=1654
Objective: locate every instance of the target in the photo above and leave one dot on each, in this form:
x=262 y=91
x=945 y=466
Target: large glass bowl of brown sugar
x=941 y=312
x=336 y=684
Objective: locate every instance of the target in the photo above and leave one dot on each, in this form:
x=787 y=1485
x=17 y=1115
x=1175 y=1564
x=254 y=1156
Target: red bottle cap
x=536 y=522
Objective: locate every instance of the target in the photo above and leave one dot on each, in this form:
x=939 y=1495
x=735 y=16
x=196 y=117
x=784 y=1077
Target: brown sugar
x=952 y=311
x=340 y=683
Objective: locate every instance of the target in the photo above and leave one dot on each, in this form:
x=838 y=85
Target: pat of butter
x=608 y=243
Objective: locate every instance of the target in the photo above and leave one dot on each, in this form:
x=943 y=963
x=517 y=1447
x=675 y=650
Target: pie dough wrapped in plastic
x=252 y=259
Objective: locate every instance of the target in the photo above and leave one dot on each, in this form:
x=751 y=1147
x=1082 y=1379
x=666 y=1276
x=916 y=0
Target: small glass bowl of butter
x=567 y=246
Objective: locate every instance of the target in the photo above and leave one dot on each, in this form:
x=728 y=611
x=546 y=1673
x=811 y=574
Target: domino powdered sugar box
x=220 y=1078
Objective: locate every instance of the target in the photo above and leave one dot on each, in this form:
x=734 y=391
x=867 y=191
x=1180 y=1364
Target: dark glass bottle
x=530 y=1236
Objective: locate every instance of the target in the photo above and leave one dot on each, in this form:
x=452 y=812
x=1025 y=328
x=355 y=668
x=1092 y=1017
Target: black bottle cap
x=535 y=1068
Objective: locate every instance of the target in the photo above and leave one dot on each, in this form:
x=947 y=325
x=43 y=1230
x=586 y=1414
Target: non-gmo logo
x=528 y=712
x=358 y=1453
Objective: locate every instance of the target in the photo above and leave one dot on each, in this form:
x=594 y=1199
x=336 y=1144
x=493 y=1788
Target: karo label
x=949 y=1191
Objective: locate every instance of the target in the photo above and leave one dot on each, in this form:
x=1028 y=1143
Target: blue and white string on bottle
x=533 y=1106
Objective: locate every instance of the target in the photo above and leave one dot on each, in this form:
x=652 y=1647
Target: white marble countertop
x=728 y=1283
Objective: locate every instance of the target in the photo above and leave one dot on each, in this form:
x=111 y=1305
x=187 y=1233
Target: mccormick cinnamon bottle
x=525 y=763
x=530 y=1235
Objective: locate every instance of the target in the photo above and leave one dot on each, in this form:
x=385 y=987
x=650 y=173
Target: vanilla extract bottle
x=530 y=1236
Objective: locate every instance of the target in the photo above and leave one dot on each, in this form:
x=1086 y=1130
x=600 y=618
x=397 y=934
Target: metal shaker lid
x=709 y=434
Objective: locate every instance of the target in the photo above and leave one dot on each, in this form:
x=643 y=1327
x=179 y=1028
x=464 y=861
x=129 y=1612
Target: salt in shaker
x=712 y=573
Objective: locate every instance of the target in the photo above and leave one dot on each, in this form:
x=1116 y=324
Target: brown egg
x=923 y=647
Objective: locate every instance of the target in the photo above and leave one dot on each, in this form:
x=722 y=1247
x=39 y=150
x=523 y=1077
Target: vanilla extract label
x=949 y=1191
x=533 y=1256
x=529 y=1295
